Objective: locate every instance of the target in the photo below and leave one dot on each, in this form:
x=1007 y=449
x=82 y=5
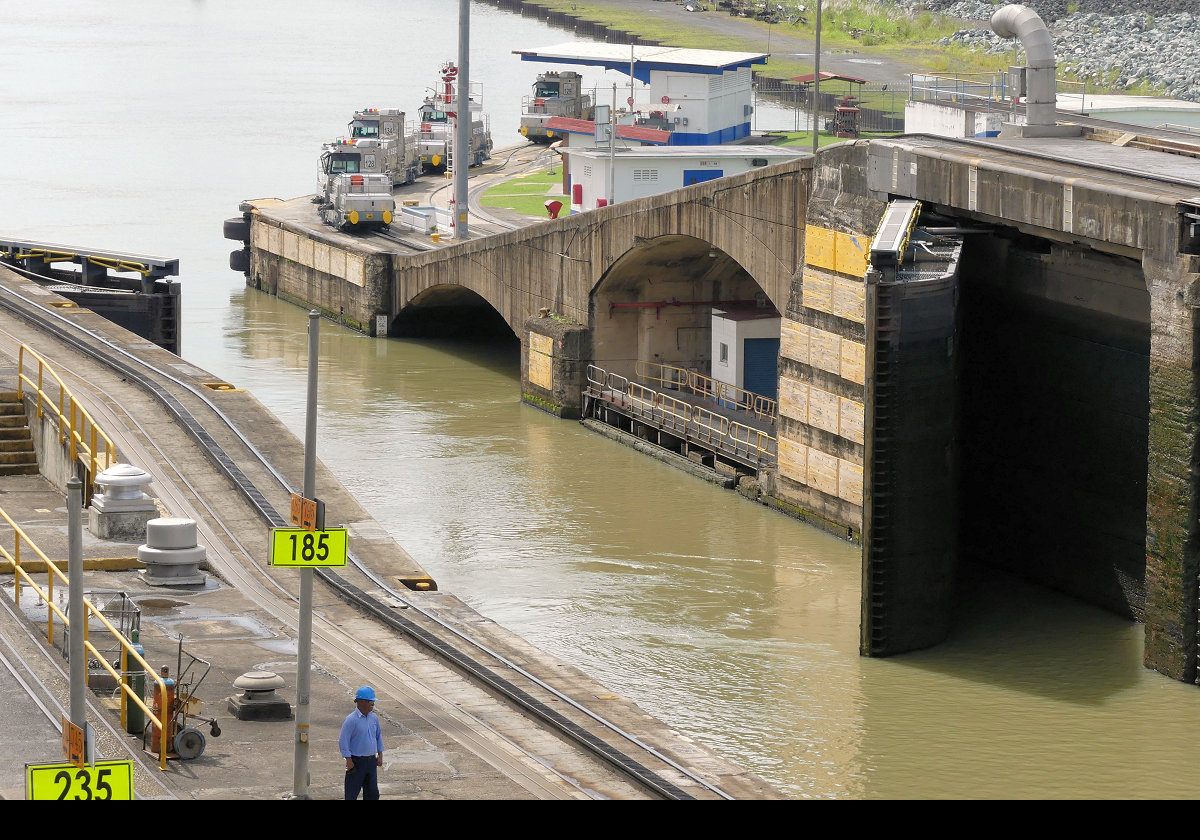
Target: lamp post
x=300 y=774
x=463 y=123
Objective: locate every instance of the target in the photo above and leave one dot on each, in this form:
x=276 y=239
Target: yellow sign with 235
x=100 y=782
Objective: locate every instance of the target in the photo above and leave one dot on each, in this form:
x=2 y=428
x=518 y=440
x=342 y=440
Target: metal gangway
x=724 y=420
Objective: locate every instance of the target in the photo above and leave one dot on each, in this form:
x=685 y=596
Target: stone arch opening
x=678 y=300
x=452 y=312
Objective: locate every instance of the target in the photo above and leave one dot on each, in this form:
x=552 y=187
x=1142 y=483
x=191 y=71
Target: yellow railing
x=751 y=443
x=90 y=610
x=115 y=263
x=705 y=387
x=76 y=428
x=690 y=421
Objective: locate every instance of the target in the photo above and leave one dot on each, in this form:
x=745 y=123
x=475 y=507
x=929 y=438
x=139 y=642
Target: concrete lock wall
x=347 y=284
x=54 y=457
x=555 y=353
x=822 y=364
x=1173 y=485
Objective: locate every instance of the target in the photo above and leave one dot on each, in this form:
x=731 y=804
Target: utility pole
x=631 y=63
x=462 y=125
x=300 y=779
x=612 y=149
x=76 y=612
x=816 y=107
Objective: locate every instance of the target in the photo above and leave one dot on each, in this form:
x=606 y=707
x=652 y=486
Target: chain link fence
x=881 y=105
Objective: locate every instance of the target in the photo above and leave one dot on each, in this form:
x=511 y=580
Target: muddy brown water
x=141 y=126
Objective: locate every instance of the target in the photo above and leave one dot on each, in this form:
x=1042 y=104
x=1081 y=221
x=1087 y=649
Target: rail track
x=632 y=767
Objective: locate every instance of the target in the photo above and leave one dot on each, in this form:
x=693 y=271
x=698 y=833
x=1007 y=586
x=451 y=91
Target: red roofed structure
x=647 y=136
x=826 y=77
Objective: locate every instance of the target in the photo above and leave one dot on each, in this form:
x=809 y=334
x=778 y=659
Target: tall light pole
x=817 y=81
x=462 y=126
x=300 y=780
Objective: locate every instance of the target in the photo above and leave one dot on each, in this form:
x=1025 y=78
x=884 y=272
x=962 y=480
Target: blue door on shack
x=695 y=176
x=760 y=370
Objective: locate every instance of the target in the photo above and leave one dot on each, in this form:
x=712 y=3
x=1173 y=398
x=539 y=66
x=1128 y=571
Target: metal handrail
x=658 y=372
x=722 y=393
x=710 y=426
x=694 y=422
x=754 y=442
x=47 y=595
x=640 y=397
x=74 y=422
x=676 y=414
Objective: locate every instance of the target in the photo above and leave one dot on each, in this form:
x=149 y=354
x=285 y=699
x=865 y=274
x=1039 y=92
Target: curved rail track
x=645 y=768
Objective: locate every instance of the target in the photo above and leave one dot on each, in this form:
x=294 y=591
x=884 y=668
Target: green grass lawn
x=528 y=194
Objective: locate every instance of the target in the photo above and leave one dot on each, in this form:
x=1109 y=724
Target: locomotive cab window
x=343 y=163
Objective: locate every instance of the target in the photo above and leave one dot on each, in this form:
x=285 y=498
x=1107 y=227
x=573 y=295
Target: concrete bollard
x=122 y=508
x=258 y=700
x=171 y=555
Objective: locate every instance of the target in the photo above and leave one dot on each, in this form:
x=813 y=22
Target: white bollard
x=171 y=555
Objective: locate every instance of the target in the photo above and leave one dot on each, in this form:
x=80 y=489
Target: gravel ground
x=1052 y=10
x=1115 y=43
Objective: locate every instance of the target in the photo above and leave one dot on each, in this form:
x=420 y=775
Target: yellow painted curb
x=90 y=564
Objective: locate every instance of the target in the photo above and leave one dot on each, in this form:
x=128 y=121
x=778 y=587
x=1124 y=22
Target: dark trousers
x=364 y=777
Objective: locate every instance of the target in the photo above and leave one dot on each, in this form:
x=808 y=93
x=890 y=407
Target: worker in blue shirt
x=361 y=744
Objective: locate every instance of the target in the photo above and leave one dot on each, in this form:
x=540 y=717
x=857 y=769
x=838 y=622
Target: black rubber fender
x=238 y=228
x=240 y=260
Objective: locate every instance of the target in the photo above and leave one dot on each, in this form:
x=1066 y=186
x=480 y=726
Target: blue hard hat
x=365 y=693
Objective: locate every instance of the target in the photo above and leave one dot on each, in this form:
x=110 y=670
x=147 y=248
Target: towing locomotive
x=555 y=94
x=358 y=202
x=358 y=172
x=436 y=118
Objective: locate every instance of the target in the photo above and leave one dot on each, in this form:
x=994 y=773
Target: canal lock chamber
x=1007 y=424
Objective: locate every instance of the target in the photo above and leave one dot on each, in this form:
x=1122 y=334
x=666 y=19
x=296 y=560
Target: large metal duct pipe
x=1041 y=89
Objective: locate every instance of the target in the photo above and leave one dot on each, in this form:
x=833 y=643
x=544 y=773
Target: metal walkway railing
x=87 y=443
x=90 y=612
x=707 y=388
x=698 y=424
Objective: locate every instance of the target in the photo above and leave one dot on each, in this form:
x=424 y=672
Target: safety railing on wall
x=983 y=91
x=20 y=575
x=707 y=388
x=695 y=423
x=87 y=442
x=987 y=91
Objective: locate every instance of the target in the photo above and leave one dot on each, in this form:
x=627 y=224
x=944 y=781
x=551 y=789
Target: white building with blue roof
x=703 y=97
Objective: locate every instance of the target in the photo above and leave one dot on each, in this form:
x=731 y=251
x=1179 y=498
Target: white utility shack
x=702 y=97
x=650 y=170
x=745 y=347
